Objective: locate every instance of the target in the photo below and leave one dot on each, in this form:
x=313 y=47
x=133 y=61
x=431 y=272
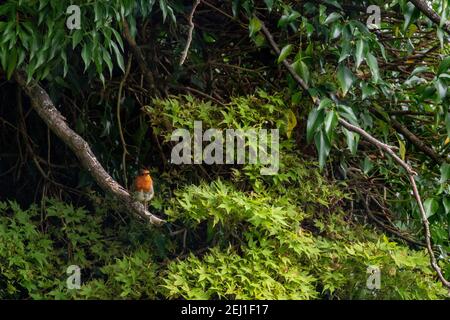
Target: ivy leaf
x=285 y=52
x=345 y=78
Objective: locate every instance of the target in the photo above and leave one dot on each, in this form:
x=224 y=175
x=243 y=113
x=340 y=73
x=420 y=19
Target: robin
x=143 y=187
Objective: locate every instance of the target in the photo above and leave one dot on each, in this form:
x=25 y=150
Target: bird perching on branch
x=143 y=187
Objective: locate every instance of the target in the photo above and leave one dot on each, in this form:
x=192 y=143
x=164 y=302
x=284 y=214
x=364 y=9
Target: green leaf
x=367 y=90
x=315 y=120
x=347 y=113
x=411 y=15
x=444 y=65
x=431 y=206
x=12 y=62
x=331 y=120
x=345 y=78
x=446 y=203
x=334 y=3
x=325 y=103
x=118 y=37
x=440 y=34
x=418 y=70
x=445 y=172
x=323 y=147
x=86 y=55
x=345 y=51
x=441 y=88
x=302 y=70
x=107 y=58
x=166 y=10
x=367 y=165
x=285 y=52
x=254 y=26
x=334 y=16
x=352 y=140
x=119 y=56
x=76 y=38
x=373 y=65
x=269 y=4
x=359 y=53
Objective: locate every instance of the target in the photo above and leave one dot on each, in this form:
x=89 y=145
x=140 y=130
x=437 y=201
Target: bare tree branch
x=382 y=146
x=430 y=13
x=45 y=108
x=191 y=30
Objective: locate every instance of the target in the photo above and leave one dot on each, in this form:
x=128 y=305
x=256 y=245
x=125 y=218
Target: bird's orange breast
x=143 y=183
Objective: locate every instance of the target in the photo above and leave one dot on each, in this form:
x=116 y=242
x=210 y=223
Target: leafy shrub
x=274 y=257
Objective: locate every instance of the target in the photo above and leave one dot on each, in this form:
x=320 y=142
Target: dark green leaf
x=373 y=65
x=315 y=120
x=345 y=78
x=323 y=147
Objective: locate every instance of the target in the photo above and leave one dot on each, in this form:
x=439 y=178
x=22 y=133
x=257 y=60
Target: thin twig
x=191 y=30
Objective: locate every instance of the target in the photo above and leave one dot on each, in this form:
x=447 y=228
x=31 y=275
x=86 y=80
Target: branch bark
x=191 y=30
x=45 y=108
x=430 y=13
x=382 y=146
x=416 y=141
